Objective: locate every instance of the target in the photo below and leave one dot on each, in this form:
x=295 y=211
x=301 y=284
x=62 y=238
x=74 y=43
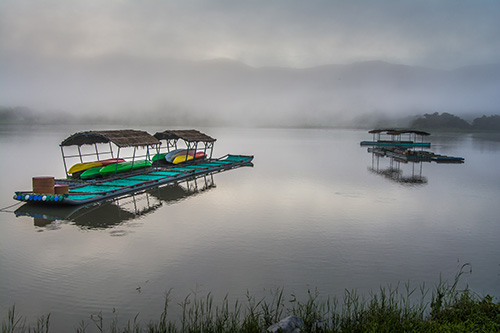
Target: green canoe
x=123 y=167
x=91 y=173
x=159 y=157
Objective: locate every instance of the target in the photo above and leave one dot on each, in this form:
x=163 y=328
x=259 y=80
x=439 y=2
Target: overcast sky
x=438 y=33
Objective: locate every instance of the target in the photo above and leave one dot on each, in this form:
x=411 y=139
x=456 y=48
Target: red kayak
x=111 y=161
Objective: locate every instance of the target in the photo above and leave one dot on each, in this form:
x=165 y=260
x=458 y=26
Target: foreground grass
x=389 y=310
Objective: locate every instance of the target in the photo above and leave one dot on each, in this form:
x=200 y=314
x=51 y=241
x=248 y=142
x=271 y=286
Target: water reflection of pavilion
x=396 y=169
x=114 y=212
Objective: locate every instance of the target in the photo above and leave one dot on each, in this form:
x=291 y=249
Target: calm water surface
x=313 y=212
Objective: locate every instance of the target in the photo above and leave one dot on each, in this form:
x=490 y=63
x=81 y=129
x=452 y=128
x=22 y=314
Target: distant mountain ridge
x=229 y=91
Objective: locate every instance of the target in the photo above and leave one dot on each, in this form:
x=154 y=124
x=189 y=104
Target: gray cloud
x=96 y=56
x=260 y=33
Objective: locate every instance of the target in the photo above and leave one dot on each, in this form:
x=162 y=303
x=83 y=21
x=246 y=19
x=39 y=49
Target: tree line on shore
x=431 y=121
x=451 y=122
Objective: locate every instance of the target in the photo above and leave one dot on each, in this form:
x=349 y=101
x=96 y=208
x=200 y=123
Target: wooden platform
x=84 y=192
x=407 y=155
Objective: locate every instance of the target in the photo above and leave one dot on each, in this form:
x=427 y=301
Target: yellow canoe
x=182 y=158
x=79 y=167
x=83 y=166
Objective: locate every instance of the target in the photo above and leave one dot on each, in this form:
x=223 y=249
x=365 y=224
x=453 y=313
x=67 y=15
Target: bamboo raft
x=74 y=191
x=117 y=210
x=408 y=155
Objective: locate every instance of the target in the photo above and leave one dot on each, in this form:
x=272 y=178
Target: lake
x=316 y=211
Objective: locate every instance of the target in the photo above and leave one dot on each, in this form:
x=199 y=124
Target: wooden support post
x=64 y=161
x=80 y=153
x=96 y=151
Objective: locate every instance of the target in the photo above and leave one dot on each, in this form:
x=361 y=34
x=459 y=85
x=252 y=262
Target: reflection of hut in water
x=396 y=171
x=174 y=193
x=114 y=212
x=96 y=216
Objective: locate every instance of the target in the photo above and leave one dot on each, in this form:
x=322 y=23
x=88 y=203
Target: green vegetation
x=389 y=310
x=15 y=115
x=491 y=123
x=446 y=121
x=440 y=121
x=26 y=116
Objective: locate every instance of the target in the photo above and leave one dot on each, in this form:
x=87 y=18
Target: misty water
x=312 y=213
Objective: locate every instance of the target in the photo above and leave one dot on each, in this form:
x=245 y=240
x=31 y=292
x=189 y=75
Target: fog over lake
x=285 y=81
x=224 y=92
x=332 y=63
x=311 y=213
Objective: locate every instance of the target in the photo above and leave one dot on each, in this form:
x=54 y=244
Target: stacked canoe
x=91 y=170
x=178 y=156
x=111 y=168
x=79 y=169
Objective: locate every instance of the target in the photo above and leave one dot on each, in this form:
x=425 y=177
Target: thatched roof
x=121 y=138
x=375 y=131
x=186 y=135
x=398 y=132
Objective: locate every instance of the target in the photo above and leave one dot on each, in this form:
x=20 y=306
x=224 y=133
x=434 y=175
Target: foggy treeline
x=127 y=90
x=435 y=121
x=451 y=122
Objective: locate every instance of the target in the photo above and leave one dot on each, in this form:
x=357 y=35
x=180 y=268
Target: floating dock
x=123 y=208
x=76 y=191
x=408 y=155
x=403 y=152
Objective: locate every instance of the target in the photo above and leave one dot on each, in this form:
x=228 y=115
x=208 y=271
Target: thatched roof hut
x=398 y=132
x=193 y=139
x=121 y=138
x=186 y=135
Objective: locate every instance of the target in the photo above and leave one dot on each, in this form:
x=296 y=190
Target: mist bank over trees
x=434 y=121
x=446 y=121
x=225 y=92
x=21 y=115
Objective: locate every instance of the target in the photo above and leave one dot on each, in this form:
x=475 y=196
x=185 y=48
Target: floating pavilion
x=396 y=137
x=141 y=147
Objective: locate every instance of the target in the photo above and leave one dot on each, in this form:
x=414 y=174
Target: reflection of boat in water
x=111 y=213
x=396 y=172
x=104 y=215
x=399 y=158
x=174 y=193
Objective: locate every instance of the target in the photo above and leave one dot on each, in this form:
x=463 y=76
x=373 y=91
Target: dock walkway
x=83 y=192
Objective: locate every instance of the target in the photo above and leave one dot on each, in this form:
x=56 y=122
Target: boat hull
x=188 y=157
x=182 y=159
x=159 y=157
x=124 y=167
x=91 y=173
x=80 y=167
x=170 y=156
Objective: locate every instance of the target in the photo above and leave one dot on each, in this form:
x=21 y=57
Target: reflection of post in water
x=395 y=171
x=174 y=193
x=111 y=213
